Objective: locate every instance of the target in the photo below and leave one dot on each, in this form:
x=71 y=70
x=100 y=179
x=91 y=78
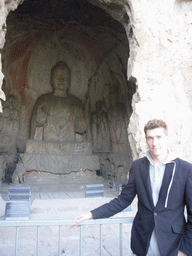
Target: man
x=164 y=186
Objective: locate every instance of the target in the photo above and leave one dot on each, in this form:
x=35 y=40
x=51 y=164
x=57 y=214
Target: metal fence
x=40 y=223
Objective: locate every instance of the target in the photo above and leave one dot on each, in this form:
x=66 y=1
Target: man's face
x=61 y=79
x=156 y=140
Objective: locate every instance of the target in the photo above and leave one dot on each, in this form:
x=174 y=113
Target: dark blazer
x=173 y=231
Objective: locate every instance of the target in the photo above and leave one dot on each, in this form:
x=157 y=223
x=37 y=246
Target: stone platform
x=51 y=186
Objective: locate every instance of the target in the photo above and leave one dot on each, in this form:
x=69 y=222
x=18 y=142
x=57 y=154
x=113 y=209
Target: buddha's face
x=61 y=79
x=113 y=99
x=99 y=105
x=11 y=102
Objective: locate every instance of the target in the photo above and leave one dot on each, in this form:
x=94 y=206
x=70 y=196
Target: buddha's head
x=99 y=105
x=60 y=78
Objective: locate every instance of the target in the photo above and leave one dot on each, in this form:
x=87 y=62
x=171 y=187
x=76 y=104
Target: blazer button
x=155 y=214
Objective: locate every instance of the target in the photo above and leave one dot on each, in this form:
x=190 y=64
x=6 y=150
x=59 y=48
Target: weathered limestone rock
x=163 y=71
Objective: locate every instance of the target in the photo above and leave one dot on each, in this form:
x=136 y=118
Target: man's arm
x=116 y=205
x=186 y=243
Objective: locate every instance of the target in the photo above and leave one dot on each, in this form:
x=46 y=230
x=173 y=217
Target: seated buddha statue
x=56 y=113
x=57 y=141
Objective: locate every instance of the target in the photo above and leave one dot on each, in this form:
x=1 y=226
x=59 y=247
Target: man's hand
x=181 y=253
x=82 y=217
x=85 y=216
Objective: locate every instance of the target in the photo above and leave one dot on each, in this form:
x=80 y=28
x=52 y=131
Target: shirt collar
x=170 y=157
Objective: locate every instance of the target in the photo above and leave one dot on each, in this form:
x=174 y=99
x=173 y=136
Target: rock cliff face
x=162 y=66
x=138 y=51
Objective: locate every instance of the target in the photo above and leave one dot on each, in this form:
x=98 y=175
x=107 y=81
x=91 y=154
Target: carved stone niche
x=75 y=99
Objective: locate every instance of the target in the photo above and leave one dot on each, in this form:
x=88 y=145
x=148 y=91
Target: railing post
x=16 y=241
x=37 y=245
x=120 y=240
x=59 y=253
x=80 y=246
x=101 y=239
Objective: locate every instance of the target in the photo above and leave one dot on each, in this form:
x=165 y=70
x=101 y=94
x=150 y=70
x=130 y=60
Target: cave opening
x=95 y=47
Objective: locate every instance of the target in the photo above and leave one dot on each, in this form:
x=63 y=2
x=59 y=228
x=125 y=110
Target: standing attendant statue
x=100 y=129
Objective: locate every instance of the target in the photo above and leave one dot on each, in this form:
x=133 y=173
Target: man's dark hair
x=156 y=123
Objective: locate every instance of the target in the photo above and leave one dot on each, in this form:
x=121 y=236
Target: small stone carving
x=9 y=124
x=2 y=167
x=100 y=129
x=18 y=175
x=115 y=167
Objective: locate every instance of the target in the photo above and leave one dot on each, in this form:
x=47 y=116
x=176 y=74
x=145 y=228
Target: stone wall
x=162 y=66
x=5 y=8
x=160 y=60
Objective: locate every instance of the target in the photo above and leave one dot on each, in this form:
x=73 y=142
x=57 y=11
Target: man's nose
x=155 y=141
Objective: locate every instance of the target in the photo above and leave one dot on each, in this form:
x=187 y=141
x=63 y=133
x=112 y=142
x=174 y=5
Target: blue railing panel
x=60 y=223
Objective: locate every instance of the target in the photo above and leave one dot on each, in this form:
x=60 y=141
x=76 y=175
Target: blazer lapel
x=165 y=184
x=147 y=182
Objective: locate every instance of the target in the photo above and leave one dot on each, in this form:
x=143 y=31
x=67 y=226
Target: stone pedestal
x=59 y=158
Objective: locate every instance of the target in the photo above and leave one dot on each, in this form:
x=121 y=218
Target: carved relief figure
x=9 y=121
x=9 y=125
x=117 y=124
x=55 y=113
x=100 y=129
x=117 y=117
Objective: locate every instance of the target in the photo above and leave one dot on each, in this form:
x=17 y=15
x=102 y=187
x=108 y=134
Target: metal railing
x=40 y=223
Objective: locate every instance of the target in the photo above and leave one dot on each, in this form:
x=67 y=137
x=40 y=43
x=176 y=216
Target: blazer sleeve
x=186 y=244
x=120 y=203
